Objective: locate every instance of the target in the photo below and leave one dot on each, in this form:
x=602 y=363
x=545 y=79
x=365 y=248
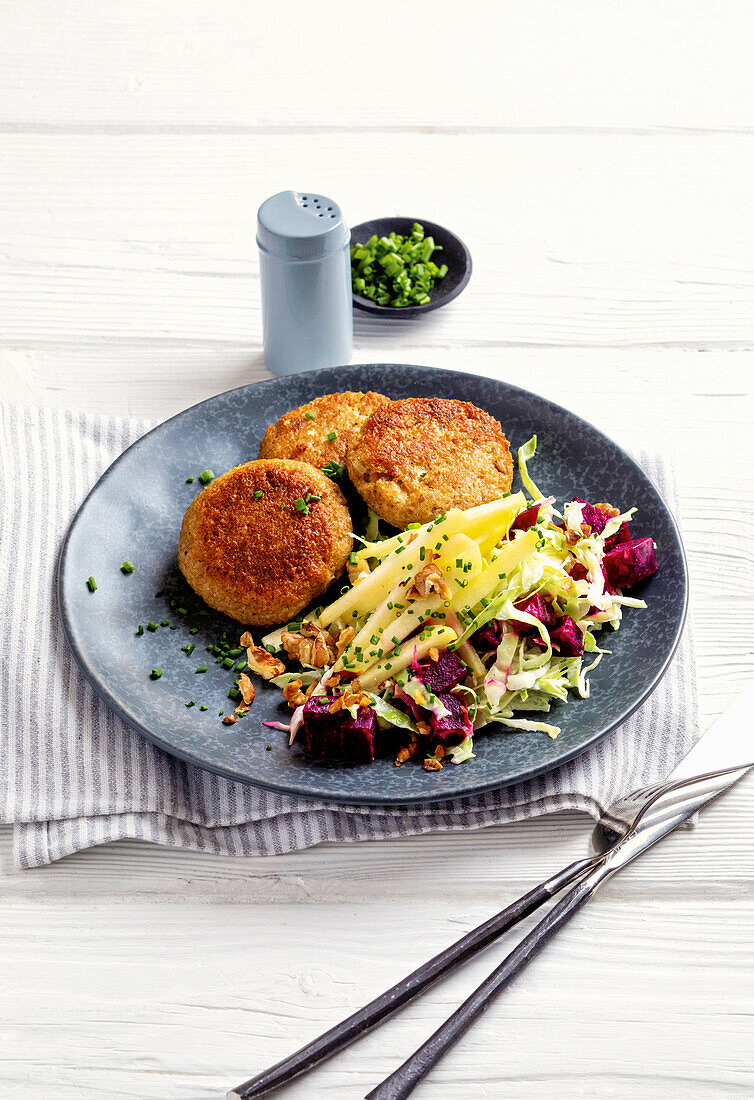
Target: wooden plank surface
x=597 y=160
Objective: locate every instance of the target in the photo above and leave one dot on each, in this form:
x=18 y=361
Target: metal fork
x=621 y=819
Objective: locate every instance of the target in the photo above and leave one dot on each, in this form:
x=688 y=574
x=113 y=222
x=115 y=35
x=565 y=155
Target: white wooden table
x=597 y=158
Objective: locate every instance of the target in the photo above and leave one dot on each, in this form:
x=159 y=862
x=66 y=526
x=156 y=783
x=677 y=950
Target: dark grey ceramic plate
x=134 y=512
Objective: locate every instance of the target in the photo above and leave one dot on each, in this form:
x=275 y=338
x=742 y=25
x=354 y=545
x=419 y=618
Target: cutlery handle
x=393 y=999
x=404 y=1080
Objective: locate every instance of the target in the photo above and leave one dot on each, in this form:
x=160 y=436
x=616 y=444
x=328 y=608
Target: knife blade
x=728 y=743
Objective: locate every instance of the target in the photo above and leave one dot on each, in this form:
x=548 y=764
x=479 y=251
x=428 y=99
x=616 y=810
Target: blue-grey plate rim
x=332 y=379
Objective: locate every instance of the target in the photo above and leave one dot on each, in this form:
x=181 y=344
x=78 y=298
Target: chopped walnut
x=432 y=764
x=337 y=705
x=357 y=571
x=352 y=699
x=293 y=694
x=611 y=511
x=429 y=582
x=230 y=719
x=313 y=646
x=247 y=689
x=246 y=639
x=424 y=728
x=433 y=653
x=406 y=753
x=572 y=537
x=344 y=639
x=586 y=530
x=260 y=661
x=241 y=709
x=364 y=700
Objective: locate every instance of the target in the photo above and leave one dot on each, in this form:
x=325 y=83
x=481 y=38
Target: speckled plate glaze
x=134 y=512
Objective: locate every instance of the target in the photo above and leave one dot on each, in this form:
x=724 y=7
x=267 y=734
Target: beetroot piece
x=578 y=572
x=526 y=519
x=454 y=726
x=621 y=535
x=443 y=674
x=595 y=517
x=539 y=608
x=488 y=636
x=567 y=638
x=630 y=562
x=338 y=736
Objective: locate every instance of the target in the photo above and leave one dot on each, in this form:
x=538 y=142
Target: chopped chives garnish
x=258 y=494
x=233 y=693
x=174 y=626
x=422 y=553
x=309 y=416
x=189 y=481
x=153 y=626
x=183 y=611
x=91 y=584
x=190 y=704
x=353 y=557
x=413 y=526
x=206 y=476
x=235 y=652
x=159 y=592
x=300 y=505
x=164 y=622
x=228 y=663
x=269 y=748
x=127 y=567
x=396 y=270
x=139 y=630
x=202 y=668
x=194 y=630
x=202 y=708
x=156 y=673
x=331 y=437
x=240 y=666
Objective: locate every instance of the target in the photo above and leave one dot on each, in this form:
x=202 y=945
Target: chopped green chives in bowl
x=396 y=270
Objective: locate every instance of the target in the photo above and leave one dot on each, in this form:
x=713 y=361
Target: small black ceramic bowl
x=454 y=253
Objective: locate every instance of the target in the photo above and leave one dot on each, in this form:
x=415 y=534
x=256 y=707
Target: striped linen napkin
x=73 y=775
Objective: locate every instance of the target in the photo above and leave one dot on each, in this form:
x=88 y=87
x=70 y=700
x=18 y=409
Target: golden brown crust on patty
x=305 y=440
x=419 y=457
x=260 y=560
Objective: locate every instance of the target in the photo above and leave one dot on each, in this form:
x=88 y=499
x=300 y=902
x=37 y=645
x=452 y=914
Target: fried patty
x=258 y=558
x=302 y=433
x=416 y=458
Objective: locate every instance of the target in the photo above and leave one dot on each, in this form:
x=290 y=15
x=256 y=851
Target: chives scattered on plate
x=91 y=584
x=156 y=673
x=153 y=626
x=189 y=481
x=127 y=567
x=206 y=476
x=396 y=270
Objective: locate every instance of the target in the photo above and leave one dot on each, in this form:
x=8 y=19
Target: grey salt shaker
x=305 y=265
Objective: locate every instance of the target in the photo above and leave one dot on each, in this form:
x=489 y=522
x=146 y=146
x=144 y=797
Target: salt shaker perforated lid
x=305 y=268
